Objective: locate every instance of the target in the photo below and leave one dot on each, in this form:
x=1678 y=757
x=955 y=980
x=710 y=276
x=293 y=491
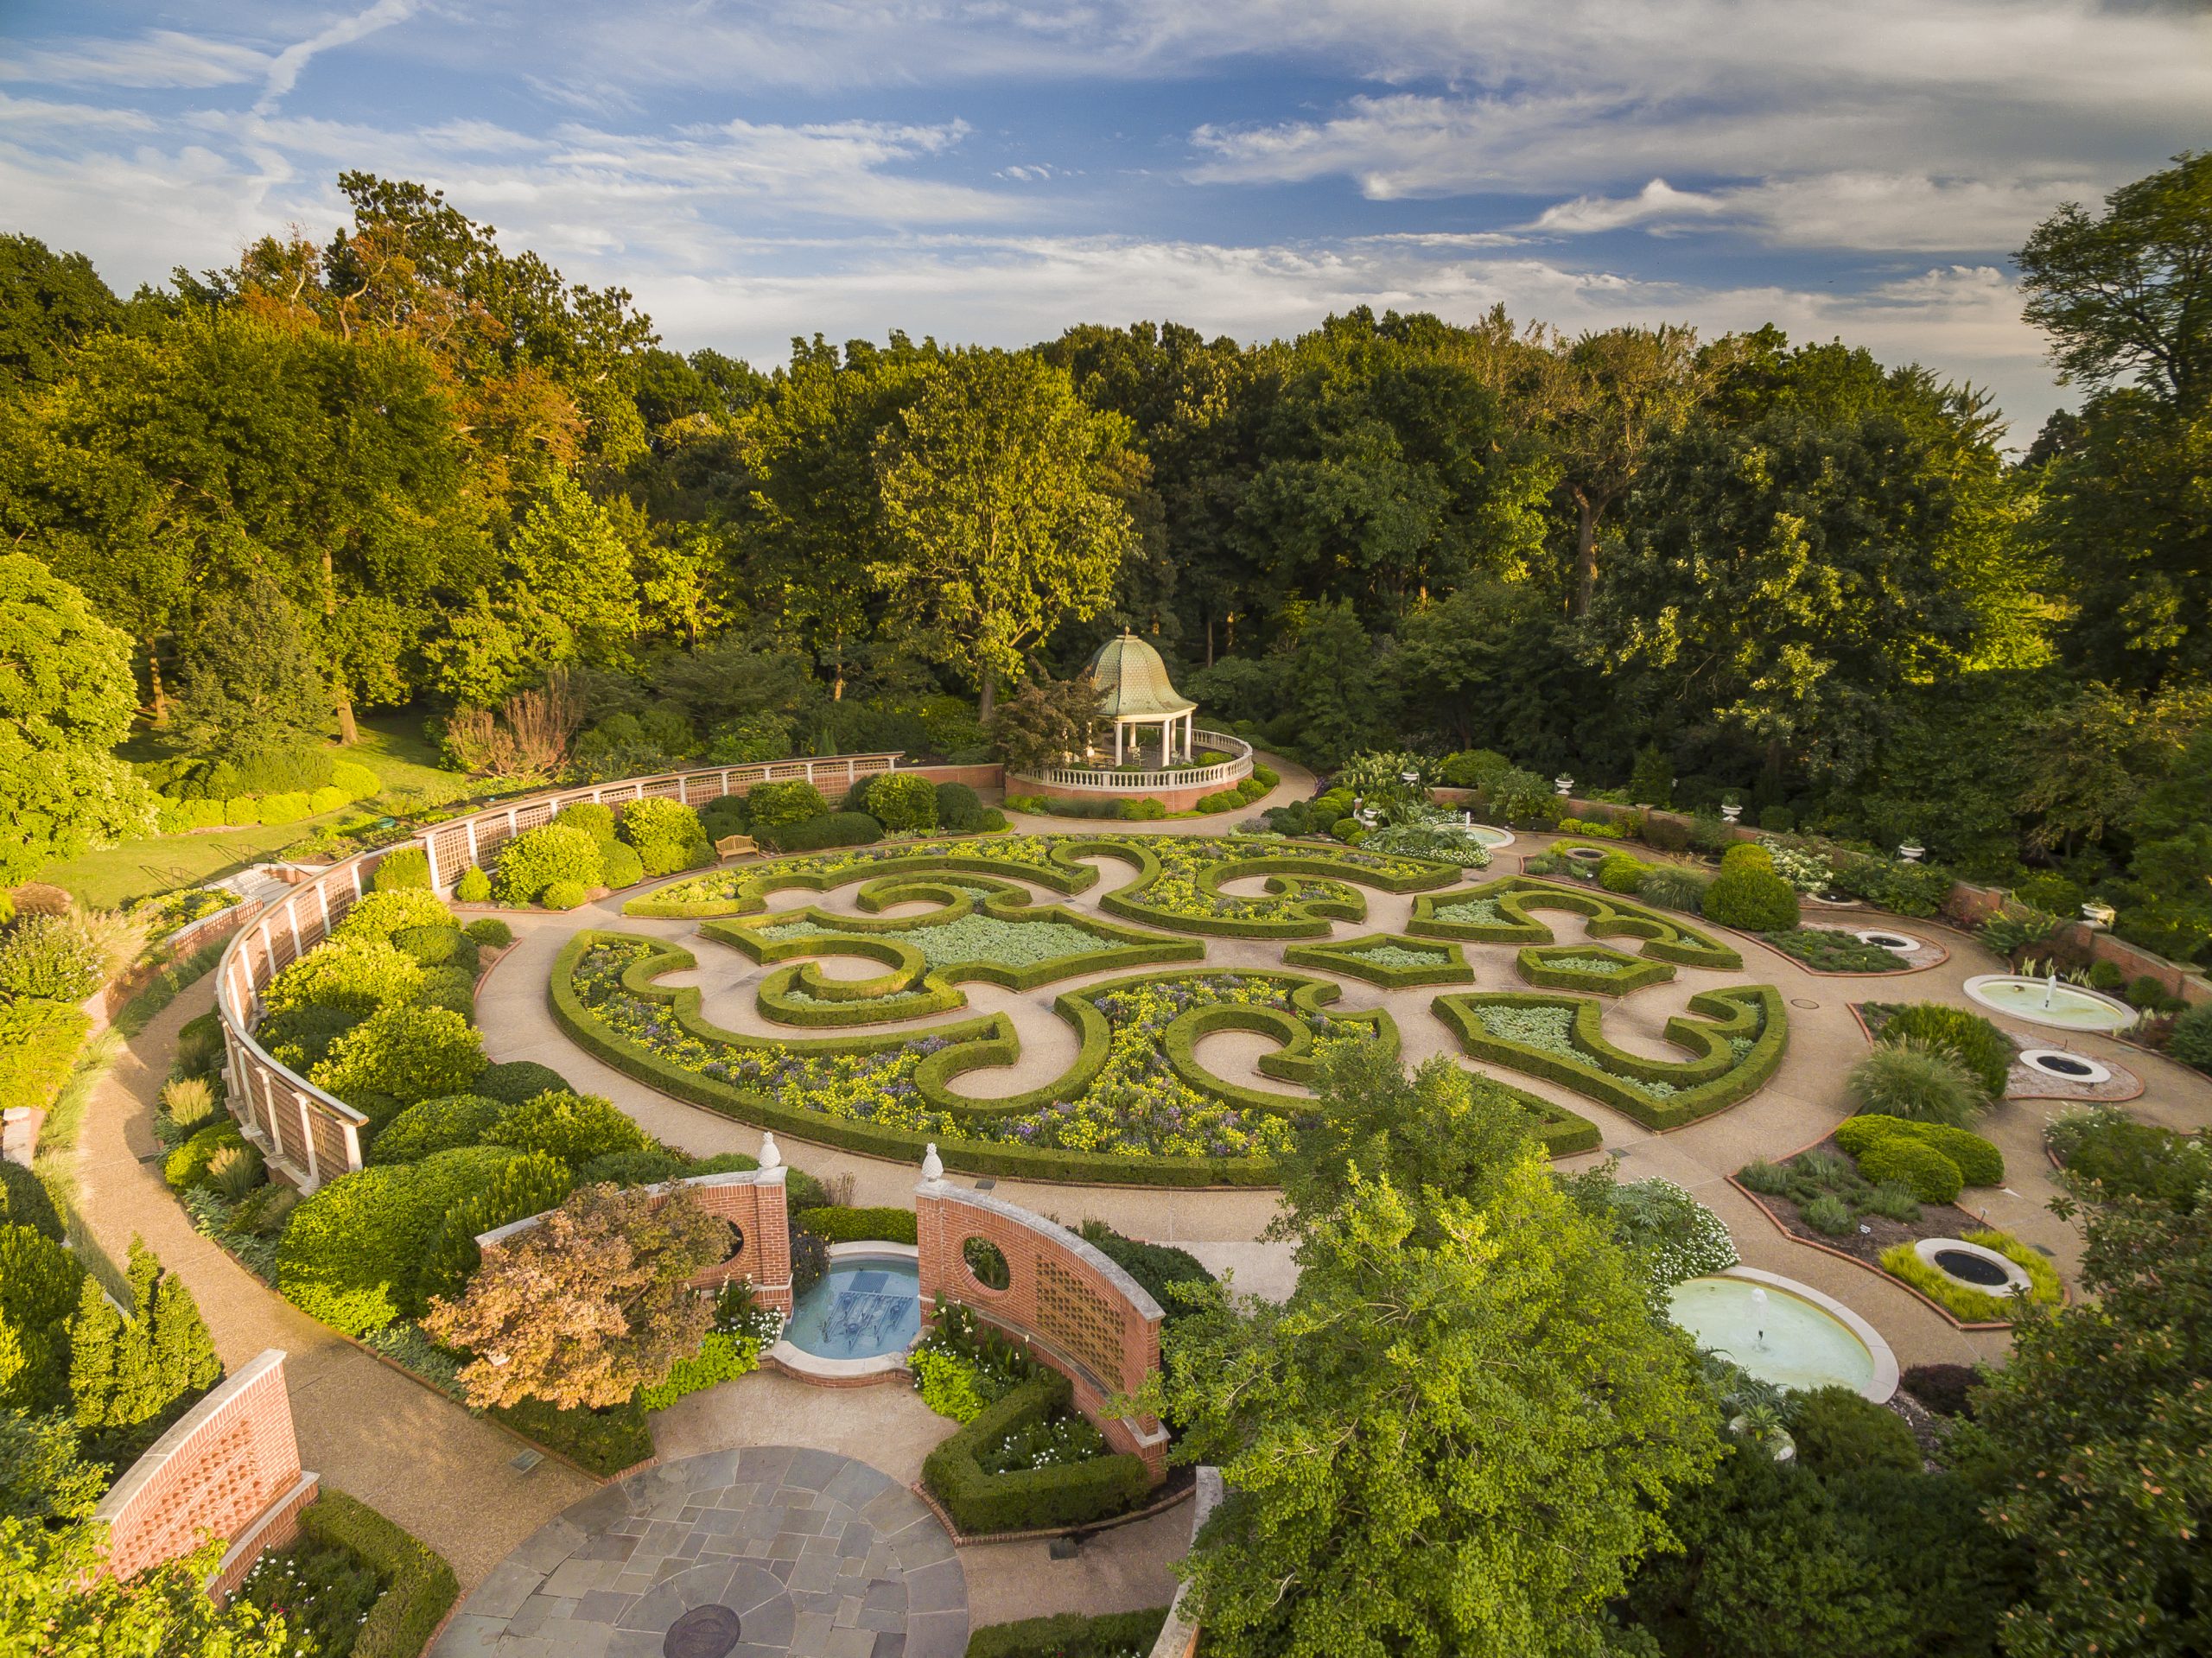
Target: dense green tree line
x=408 y=467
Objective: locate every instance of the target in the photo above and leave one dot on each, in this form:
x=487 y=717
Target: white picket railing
x=1106 y=780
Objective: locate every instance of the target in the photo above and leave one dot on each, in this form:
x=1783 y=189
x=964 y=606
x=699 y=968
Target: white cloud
x=285 y=68
x=1658 y=202
x=159 y=58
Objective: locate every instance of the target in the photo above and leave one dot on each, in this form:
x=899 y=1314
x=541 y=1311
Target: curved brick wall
x=1077 y=1310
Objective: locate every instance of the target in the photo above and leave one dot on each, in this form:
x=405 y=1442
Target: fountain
x=1784 y=1333
x=2048 y=1001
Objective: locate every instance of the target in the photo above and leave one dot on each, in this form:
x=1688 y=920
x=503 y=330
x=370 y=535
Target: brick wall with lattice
x=230 y=1467
x=1077 y=1311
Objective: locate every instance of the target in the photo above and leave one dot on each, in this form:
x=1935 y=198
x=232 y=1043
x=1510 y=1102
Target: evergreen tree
x=96 y=1336
x=131 y=1371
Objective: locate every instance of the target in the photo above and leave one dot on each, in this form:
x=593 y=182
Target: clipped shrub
x=355 y=1247
x=1621 y=873
x=405 y=1053
x=433 y=1126
x=564 y=895
x=299 y=1038
x=1070 y=1635
x=726 y=815
x=382 y=915
x=1947 y=1389
x=1986 y=1051
x=958 y=808
x=474 y=887
x=900 y=800
x=187 y=1166
x=539 y=858
x=328 y=798
x=490 y=932
x=419 y=1587
x=352 y=975
x=1754 y=899
x=516 y=1080
x=574 y=1128
x=622 y=864
x=1917 y=1082
x=815 y=834
x=593 y=819
x=49 y=957
x=1927 y=1173
x=1135 y=811
x=666 y=835
x=408 y=867
x=1980 y=1163
x=1746 y=854
x=436 y=945
x=635 y=1168
x=1666 y=835
x=778 y=805
x=833 y=1225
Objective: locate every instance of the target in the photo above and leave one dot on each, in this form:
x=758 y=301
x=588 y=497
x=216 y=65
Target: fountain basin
x=1899 y=943
x=2066 y=1067
x=1799 y=1338
x=2066 y=1006
x=1492 y=838
x=1972 y=1265
x=858 y=1321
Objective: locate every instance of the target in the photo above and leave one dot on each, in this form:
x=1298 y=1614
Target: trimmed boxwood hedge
x=1030 y=1499
x=1980 y=1163
x=1709 y=1082
x=1346 y=958
x=1553 y=967
x=419 y=1587
x=1070 y=1635
x=1609 y=916
x=835 y=1225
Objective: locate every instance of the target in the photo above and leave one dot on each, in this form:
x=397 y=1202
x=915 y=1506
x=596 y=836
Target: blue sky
x=994 y=171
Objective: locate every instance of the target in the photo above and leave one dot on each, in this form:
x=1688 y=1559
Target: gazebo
x=1134 y=691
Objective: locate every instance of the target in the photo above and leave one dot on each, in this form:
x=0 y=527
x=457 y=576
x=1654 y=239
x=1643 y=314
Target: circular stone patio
x=738 y=1554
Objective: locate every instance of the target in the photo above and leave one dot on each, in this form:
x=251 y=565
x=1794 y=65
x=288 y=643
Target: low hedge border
x=1551 y=966
x=1563 y=1132
x=1028 y=1499
x=833 y=1224
x=1609 y=917
x=1070 y=1635
x=979 y=1043
x=1293 y=1062
x=1710 y=1083
x=1345 y=958
x=419 y=1587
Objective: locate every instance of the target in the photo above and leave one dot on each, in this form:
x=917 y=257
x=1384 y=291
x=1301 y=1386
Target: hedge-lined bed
x=1070 y=1635
x=1178 y=884
x=1390 y=959
x=1134 y=1106
x=418 y=1587
x=1737 y=1044
x=1597 y=969
x=1498 y=913
x=1026 y=1499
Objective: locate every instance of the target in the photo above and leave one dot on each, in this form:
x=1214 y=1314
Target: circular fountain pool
x=1785 y=1332
x=2041 y=1002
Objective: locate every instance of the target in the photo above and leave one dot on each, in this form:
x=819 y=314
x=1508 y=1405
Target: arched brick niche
x=231 y=1466
x=1077 y=1311
x=752 y=1203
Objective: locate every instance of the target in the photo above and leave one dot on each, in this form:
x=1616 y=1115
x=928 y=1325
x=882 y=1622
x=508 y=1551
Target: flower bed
x=1590 y=968
x=1390 y=959
x=1737 y=1045
x=1830 y=949
x=1963 y=1301
x=1499 y=914
x=1135 y=1104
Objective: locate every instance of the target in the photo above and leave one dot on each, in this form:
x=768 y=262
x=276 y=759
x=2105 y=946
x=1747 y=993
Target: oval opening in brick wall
x=986 y=1263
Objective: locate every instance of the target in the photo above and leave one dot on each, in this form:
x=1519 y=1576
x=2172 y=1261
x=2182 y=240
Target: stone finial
x=932 y=1165
x=771 y=1156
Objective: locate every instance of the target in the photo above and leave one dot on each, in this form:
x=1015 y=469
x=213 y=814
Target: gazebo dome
x=1133 y=681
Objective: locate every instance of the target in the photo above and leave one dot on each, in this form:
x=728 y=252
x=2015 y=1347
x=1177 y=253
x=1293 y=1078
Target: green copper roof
x=1132 y=681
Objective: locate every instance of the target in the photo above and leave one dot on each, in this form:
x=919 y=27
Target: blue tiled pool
x=864 y=1307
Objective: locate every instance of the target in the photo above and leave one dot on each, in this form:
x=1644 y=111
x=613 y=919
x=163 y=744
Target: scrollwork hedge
x=1505 y=919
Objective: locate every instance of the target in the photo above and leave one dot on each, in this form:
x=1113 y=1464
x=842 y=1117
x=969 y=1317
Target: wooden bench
x=734 y=846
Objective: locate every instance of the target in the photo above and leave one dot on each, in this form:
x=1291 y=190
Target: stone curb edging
x=1112 y=1522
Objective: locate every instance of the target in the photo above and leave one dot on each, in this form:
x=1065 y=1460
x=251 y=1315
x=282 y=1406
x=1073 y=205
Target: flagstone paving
x=756 y=1552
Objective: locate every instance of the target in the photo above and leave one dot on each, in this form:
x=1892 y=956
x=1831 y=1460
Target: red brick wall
x=1078 y=1311
x=231 y=1467
x=753 y=1201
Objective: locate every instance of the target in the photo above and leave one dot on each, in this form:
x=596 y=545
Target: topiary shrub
x=1752 y=899
x=407 y=1054
x=516 y=1080
x=1746 y=854
x=575 y=1127
x=1986 y=1051
x=299 y=1038
x=1135 y=811
x=644 y=1168
x=776 y=805
x=1947 y=1389
x=666 y=835
x=433 y=1126
x=1621 y=873
x=1980 y=1163
x=1915 y=1081
x=1070 y=1635
x=355 y=975
x=490 y=932
x=1838 y=1431
x=474 y=887
x=958 y=808
x=593 y=819
x=900 y=800
x=541 y=857
x=436 y=946
x=815 y=834
x=836 y=1225
x=2191 y=1039
x=382 y=915
x=564 y=895
x=355 y=1247
x=1926 y=1173
x=409 y=866
x=621 y=864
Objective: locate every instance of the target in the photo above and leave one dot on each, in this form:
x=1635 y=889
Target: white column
x=1117 y=742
